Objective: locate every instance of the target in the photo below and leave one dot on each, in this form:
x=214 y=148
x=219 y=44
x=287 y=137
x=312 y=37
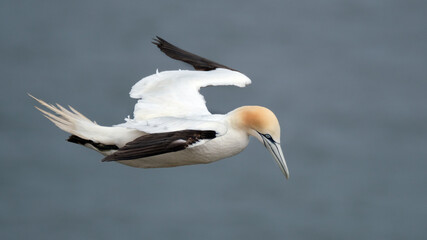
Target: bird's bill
x=277 y=153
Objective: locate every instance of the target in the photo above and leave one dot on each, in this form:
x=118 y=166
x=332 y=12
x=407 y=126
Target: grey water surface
x=347 y=80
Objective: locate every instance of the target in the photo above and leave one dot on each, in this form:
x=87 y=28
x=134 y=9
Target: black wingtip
x=97 y=145
x=199 y=63
x=157 y=41
x=106 y=159
x=161 y=44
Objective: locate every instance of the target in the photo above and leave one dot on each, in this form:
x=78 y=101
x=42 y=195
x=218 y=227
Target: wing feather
x=199 y=63
x=172 y=124
x=176 y=93
x=159 y=143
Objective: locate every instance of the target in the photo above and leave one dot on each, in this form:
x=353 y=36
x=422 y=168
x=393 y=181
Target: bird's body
x=172 y=125
x=216 y=149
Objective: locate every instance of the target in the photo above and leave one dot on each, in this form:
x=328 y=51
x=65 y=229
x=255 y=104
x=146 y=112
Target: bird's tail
x=85 y=132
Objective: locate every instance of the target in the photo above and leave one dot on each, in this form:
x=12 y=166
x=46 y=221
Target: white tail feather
x=72 y=121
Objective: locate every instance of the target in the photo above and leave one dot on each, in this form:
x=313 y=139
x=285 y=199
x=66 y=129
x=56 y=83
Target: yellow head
x=261 y=123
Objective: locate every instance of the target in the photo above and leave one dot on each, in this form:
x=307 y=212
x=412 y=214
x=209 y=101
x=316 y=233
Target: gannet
x=171 y=125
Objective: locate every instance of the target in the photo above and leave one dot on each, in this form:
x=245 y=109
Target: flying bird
x=171 y=125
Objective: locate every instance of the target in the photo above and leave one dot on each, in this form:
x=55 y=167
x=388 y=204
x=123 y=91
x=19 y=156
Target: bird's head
x=261 y=123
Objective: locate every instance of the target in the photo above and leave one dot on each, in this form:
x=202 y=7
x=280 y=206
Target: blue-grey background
x=347 y=80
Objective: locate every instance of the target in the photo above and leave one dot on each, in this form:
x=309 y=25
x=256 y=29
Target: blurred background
x=347 y=80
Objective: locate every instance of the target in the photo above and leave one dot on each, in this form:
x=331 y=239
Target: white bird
x=171 y=125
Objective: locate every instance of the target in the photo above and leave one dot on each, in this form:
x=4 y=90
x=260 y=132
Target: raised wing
x=199 y=63
x=159 y=143
x=176 y=93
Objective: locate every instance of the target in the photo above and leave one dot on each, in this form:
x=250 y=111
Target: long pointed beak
x=277 y=153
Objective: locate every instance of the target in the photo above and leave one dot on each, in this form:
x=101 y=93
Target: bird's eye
x=268 y=136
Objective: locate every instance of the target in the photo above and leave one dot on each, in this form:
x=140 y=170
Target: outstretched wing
x=199 y=63
x=159 y=143
x=176 y=93
x=168 y=134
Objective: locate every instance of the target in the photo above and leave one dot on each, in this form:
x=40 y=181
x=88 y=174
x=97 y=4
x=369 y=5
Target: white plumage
x=176 y=93
x=171 y=125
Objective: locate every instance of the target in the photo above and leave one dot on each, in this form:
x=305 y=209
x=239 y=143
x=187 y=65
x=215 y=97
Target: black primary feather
x=159 y=143
x=99 y=146
x=199 y=63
